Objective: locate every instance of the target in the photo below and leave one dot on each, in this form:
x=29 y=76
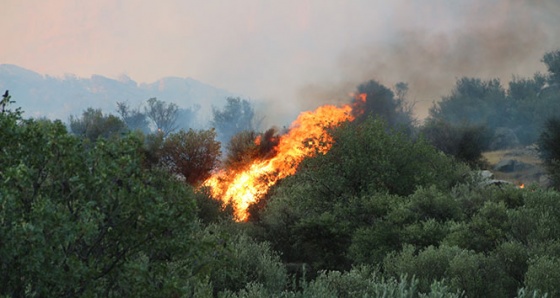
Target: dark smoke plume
x=483 y=39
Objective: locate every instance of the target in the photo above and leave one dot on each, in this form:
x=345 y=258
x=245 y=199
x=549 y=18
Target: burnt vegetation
x=111 y=205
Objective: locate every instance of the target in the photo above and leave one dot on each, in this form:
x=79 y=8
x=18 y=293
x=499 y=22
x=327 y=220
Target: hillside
x=59 y=97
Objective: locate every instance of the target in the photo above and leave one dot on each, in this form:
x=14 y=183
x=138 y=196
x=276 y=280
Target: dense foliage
x=93 y=124
x=386 y=212
x=465 y=142
x=86 y=220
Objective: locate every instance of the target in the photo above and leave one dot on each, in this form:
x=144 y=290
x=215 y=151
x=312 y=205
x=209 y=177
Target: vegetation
x=522 y=109
x=549 y=146
x=382 y=102
x=93 y=125
x=237 y=116
x=465 y=142
x=87 y=220
x=191 y=154
x=112 y=209
x=162 y=114
x=133 y=118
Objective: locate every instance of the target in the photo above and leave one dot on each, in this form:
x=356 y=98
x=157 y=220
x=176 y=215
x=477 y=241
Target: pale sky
x=294 y=54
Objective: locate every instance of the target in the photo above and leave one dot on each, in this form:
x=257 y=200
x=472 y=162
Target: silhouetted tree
x=5 y=101
x=552 y=61
x=133 y=118
x=247 y=146
x=382 y=102
x=473 y=101
x=238 y=115
x=163 y=115
x=466 y=142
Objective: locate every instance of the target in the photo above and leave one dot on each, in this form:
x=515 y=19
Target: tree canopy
x=86 y=221
x=93 y=124
x=238 y=115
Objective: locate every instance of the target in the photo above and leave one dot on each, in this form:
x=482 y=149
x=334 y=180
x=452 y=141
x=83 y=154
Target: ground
x=527 y=166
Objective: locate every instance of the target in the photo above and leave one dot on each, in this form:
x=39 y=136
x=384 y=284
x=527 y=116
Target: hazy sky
x=293 y=54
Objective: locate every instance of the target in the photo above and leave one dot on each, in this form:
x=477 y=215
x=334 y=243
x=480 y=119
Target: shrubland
x=392 y=210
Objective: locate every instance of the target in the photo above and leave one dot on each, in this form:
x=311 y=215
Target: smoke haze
x=293 y=55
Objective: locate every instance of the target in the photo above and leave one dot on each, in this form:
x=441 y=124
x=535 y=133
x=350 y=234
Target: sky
x=292 y=54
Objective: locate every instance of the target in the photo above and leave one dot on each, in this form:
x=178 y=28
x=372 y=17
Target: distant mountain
x=58 y=98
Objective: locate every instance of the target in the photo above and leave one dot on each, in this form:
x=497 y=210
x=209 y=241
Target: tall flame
x=307 y=136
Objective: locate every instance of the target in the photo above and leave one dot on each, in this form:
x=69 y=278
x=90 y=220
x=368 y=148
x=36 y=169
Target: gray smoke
x=483 y=39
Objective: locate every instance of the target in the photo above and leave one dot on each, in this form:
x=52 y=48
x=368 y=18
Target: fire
x=522 y=185
x=307 y=136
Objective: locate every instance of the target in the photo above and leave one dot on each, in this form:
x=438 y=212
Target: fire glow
x=306 y=137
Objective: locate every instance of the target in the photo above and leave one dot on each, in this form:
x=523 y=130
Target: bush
x=233 y=260
x=513 y=257
x=465 y=142
x=367 y=159
x=93 y=125
x=429 y=265
x=543 y=275
x=484 y=231
x=87 y=221
x=190 y=154
x=476 y=274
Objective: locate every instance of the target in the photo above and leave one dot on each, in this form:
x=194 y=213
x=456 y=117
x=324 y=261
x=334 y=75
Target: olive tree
x=88 y=221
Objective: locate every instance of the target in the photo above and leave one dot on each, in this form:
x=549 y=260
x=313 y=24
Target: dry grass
x=493 y=157
x=526 y=176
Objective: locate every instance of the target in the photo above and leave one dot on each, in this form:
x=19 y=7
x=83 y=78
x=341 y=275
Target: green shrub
x=543 y=275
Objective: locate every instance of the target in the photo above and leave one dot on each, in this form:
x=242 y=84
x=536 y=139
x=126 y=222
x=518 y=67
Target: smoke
x=484 y=39
x=288 y=55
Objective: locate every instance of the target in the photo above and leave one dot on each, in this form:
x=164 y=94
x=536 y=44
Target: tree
x=238 y=115
x=5 y=102
x=88 y=222
x=369 y=157
x=465 y=142
x=474 y=102
x=133 y=118
x=549 y=149
x=349 y=193
x=162 y=114
x=543 y=275
x=191 y=154
x=93 y=125
x=248 y=146
x=531 y=102
x=382 y=102
x=552 y=62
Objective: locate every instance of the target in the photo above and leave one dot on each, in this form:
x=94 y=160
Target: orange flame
x=307 y=136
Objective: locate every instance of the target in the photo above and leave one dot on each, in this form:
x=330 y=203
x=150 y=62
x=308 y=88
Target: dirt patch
x=532 y=171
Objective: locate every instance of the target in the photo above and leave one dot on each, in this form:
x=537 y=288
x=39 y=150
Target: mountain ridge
x=59 y=97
